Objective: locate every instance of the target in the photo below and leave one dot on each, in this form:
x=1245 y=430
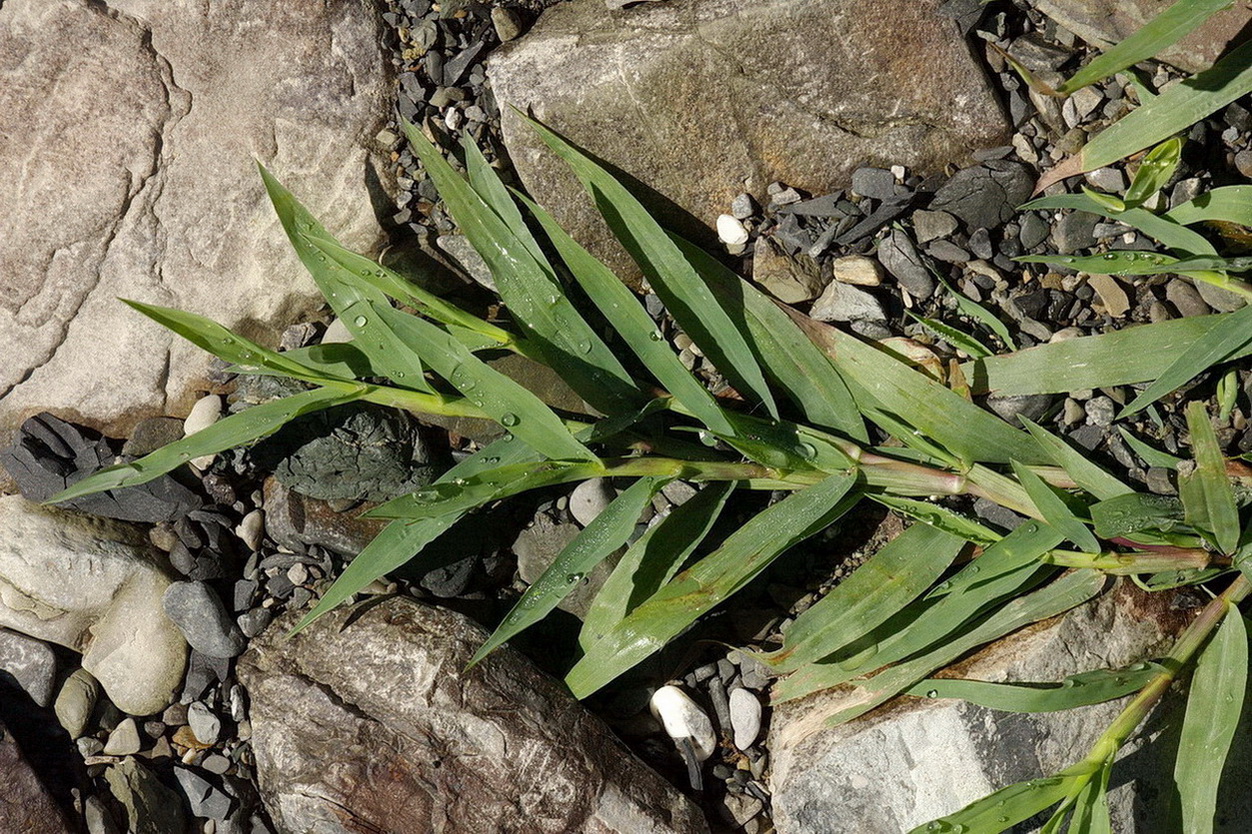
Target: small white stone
x=745 y=717
x=251 y=529
x=298 y=573
x=203 y=414
x=590 y=498
x=337 y=333
x=731 y=231
x=898 y=171
x=124 y=740
x=682 y=718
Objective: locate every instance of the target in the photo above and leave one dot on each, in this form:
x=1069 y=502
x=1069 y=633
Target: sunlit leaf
x=1076 y=690
x=1055 y=511
x=1206 y=492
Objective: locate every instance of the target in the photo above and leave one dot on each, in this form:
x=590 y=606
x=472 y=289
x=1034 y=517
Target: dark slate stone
x=876 y=183
x=985 y=196
x=980 y=244
x=358 y=451
x=1032 y=304
x=898 y=256
x=50 y=454
x=450 y=580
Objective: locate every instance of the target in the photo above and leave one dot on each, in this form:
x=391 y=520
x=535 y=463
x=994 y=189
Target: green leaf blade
x=1206 y=493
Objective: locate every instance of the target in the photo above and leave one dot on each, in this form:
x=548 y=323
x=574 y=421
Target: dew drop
x=574 y=577
x=360 y=321
x=508 y=437
x=808 y=450
x=655 y=336
x=1110 y=256
x=491 y=461
x=932 y=693
x=510 y=419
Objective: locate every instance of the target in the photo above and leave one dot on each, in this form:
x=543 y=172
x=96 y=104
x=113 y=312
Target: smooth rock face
x=1106 y=22
x=93 y=586
x=917 y=759
x=160 y=200
x=706 y=99
x=25 y=805
x=373 y=726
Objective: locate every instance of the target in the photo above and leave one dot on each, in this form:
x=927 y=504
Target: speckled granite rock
x=369 y=723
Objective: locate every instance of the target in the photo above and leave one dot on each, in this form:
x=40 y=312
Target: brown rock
x=25 y=805
x=295 y=521
x=159 y=200
x=1103 y=23
x=366 y=721
x=706 y=99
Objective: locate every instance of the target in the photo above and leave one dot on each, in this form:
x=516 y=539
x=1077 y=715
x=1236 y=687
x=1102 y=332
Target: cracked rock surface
x=705 y=99
x=129 y=145
x=374 y=726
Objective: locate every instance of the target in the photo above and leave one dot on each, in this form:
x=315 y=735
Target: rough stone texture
x=160 y=199
x=356 y=451
x=31 y=663
x=151 y=808
x=915 y=759
x=94 y=586
x=295 y=521
x=366 y=722
x=536 y=549
x=25 y=804
x=1105 y=22
x=706 y=99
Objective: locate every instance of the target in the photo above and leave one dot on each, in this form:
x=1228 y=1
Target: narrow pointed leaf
x=1156 y=168
x=504 y=400
x=685 y=294
x=1150 y=455
x=1055 y=511
x=1214 y=703
x=939 y=516
x=531 y=290
x=1206 y=493
x=1077 y=465
x=954 y=337
x=1173 y=111
x=708 y=582
x=1002 y=810
x=607 y=532
x=1227 y=338
x=1005 y=569
x=229 y=432
x=628 y=317
x=653 y=560
x=1091 y=808
x=441 y=497
x=400 y=541
x=341 y=287
x=788 y=356
x=1077 y=690
x=1229 y=204
x=1158 y=34
x=937 y=412
x=1055 y=598
x=1133 y=512
x=976 y=311
x=1136 y=354
x=892 y=578
x=487 y=184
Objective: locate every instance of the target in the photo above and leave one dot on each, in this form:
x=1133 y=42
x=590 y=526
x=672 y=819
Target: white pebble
x=745 y=717
x=337 y=333
x=203 y=414
x=731 y=231
x=251 y=529
x=590 y=498
x=682 y=718
x=858 y=270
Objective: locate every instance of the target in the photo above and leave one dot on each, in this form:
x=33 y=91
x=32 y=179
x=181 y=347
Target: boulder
x=1103 y=23
x=368 y=720
x=25 y=804
x=94 y=586
x=703 y=100
x=159 y=199
x=917 y=759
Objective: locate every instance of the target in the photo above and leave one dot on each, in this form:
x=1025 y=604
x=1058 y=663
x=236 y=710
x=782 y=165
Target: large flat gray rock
x=130 y=172
x=705 y=99
x=366 y=721
x=915 y=759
